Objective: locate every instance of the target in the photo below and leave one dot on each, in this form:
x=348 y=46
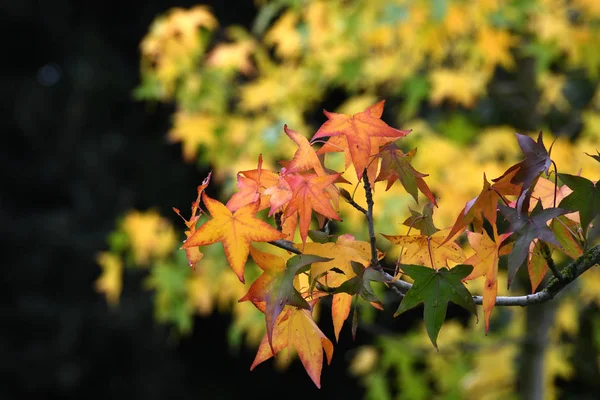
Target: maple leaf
x=537 y=266
x=272 y=266
x=485 y=263
x=342 y=253
x=595 y=157
x=309 y=192
x=193 y=254
x=279 y=194
x=340 y=144
x=423 y=222
x=585 y=198
x=485 y=203
x=358 y=130
x=305 y=158
x=252 y=185
x=110 y=281
x=537 y=160
x=432 y=251
x=435 y=288
x=280 y=290
x=395 y=164
x=565 y=229
x=296 y=327
x=235 y=231
x=526 y=228
x=361 y=284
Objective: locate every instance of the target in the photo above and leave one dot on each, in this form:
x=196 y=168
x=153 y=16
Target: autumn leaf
x=342 y=253
x=423 y=222
x=431 y=251
x=110 y=281
x=305 y=158
x=279 y=194
x=296 y=327
x=235 y=231
x=526 y=172
x=585 y=198
x=486 y=203
x=340 y=144
x=435 y=288
x=272 y=267
x=252 y=185
x=564 y=228
x=395 y=164
x=309 y=192
x=485 y=263
x=527 y=228
x=361 y=284
x=537 y=266
x=280 y=290
x=193 y=254
x=358 y=130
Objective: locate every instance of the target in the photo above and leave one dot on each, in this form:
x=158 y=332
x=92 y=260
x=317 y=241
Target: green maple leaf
x=422 y=222
x=361 y=283
x=435 y=288
x=585 y=198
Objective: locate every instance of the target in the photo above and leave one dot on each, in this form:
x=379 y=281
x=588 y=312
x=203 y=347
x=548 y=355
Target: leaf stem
x=369 y=215
x=555 y=183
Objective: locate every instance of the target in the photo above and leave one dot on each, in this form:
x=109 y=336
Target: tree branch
x=369 y=215
x=555 y=285
x=569 y=274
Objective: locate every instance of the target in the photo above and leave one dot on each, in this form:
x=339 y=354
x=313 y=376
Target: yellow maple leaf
x=284 y=36
x=193 y=130
x=110 y=282
x=494 y=45
x=430 y=251
x=296 y=327
x=460 y=86
x=233 y=55
x=150 y=235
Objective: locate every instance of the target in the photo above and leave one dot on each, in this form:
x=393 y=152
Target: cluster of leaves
x=236 y=94
x=342 y=267
x=451 y=64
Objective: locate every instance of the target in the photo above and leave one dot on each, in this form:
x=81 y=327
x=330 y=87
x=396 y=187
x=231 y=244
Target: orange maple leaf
x=485 y=262
x=310 y=192
x=272 y=266
x=252 y=185
x=296 y=327
x=431 y=251
x=486 y=203
x=193 y=254
x=235 y=231
x=305 y=157
x=358 y=130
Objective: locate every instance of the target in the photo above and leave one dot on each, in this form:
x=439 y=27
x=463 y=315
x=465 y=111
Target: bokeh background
x=114 y=112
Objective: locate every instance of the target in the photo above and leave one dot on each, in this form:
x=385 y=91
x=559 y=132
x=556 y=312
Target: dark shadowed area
x=78 y=152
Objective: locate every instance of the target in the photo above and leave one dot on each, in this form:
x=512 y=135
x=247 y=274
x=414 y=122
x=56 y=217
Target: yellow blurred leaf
x=110 y=282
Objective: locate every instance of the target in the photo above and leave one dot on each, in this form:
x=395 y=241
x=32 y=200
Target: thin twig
x=356 y=205
x=369 y=215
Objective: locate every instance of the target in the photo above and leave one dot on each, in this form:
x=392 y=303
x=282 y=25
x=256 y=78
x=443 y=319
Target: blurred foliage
x=463 y=75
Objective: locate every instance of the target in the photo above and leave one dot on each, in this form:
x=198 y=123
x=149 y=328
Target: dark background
x=78 y=152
